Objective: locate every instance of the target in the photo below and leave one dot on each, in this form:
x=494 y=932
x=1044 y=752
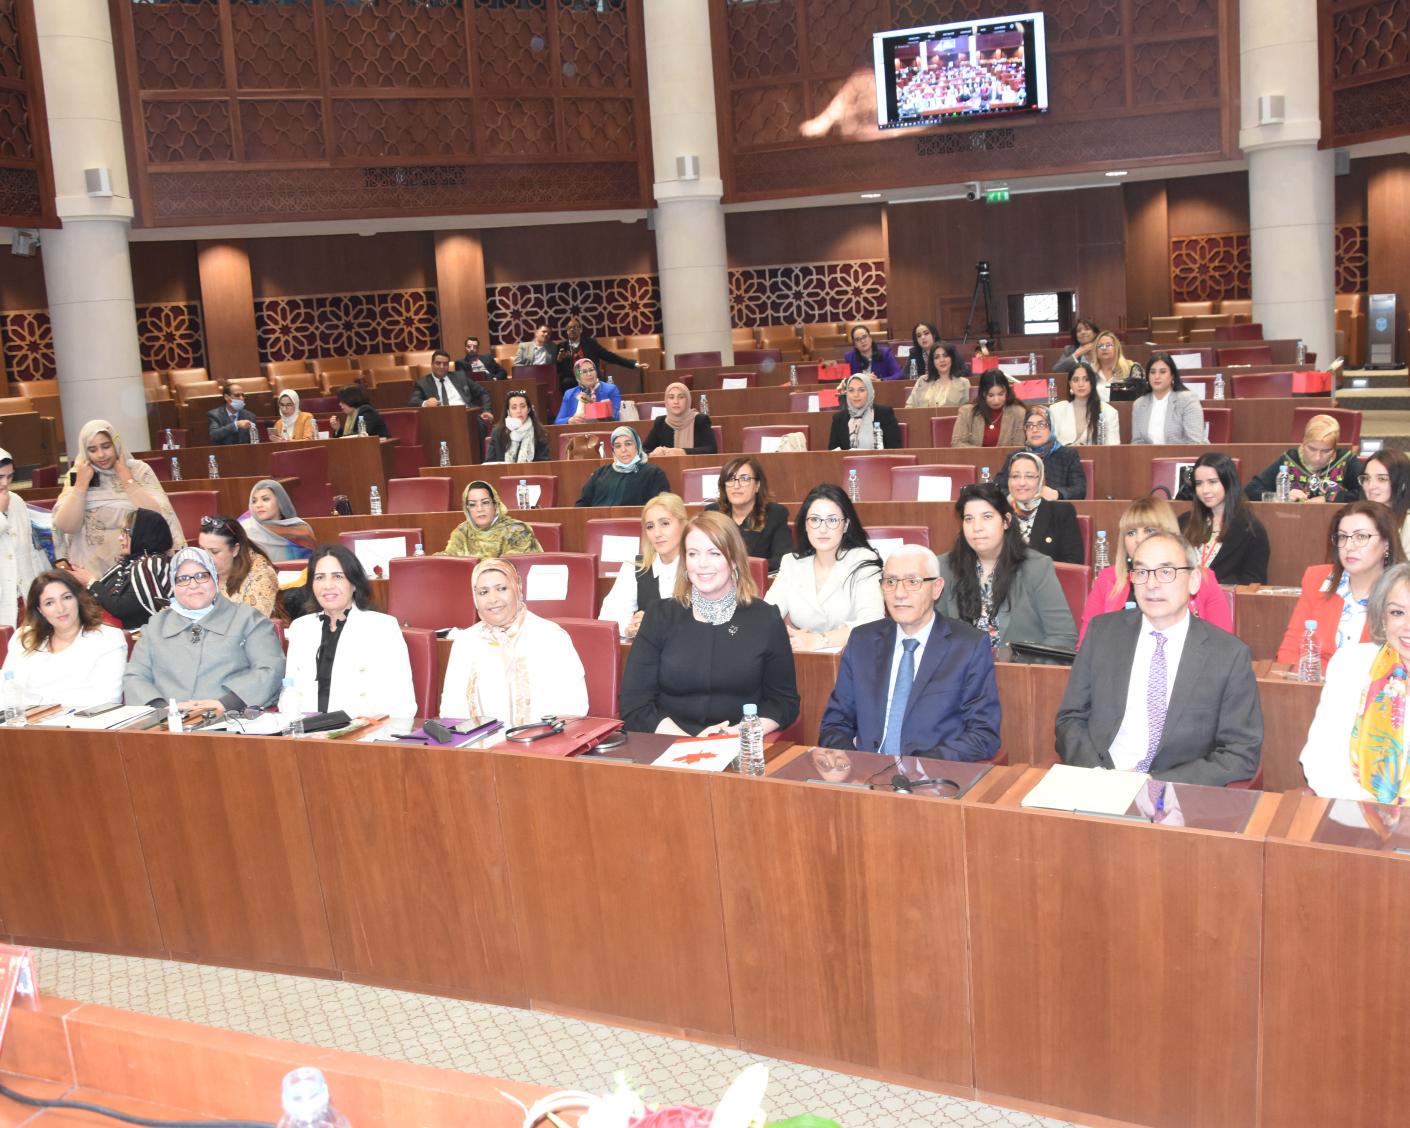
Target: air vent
x=942 y=144
x=414 y=176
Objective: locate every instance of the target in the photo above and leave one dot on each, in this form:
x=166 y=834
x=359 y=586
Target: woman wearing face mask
x=139 y=584
x=946 y=380
x=762 y=522
x=106 y=485
x=682 y=430
x=854 y=423
x=244 y=572
x=274 y=525
x=20 y=558
x=1169 y=413
x=1232 y=542
x=652 y=576
x=700 y=657
x=1046 y=525
x=995 y=420
x=590 y=390
x=348 y=656
x=1317 y=470
x=204 y=652
x=1386 y=479
x=292 y=425
x=1083 y=348
x=511 y=665
x=488 y=530
x=63 y=653
x=1083 y=419
x=628 y=479
x=518 y=437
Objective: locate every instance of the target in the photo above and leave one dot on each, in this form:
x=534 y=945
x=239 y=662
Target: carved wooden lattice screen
x=259 y=110
x=1365 y=59
x=26 y=176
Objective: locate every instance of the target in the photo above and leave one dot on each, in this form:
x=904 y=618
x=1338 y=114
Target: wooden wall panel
x=1365 y=69
x=1208 y=205
x=342 y=264
x=22 y=282
x=579 y=250
x=232 y=348
x=1147 y=251
x=165 y=272
x=1387 y=205
x=27 y=175
x=460 y=288
x=770 y=238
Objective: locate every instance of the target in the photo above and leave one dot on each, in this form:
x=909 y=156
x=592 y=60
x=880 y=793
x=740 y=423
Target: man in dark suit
x=232 y=422
x=478 y=367
x=1177 y=696
x=915 y=684
x=577 y=344
x=447 y=388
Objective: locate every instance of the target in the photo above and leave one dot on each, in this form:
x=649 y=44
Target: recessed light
x=1118 y=172
x=871 y=195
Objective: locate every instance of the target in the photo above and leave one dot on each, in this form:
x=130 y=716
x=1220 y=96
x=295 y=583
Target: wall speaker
x=24 y=243
x=688 y=167
x=99 y=181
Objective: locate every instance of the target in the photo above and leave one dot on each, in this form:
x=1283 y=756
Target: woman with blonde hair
x=652 y=576
x=1317 y=470
x=1111 y=364
x=1111 y=590
x=699 y=658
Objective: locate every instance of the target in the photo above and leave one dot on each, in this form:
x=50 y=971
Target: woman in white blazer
x=833 y=582
x=1169 y=413
x=1084 y=419
x=347 y=656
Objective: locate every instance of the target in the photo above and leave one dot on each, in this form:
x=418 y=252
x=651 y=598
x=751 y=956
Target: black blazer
x=1055 y=532
x=222 y=432
x=1243 y=553
x=839 y=438
x=702 y=442
x=1062 y=470
x=471 y=392
x=773 y=540
x=493 y=369
x=592 y=350
x=376 y=425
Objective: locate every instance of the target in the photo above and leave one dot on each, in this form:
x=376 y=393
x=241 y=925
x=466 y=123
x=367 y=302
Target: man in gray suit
x=1177 y=696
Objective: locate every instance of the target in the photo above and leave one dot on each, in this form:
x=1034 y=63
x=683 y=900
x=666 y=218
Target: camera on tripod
x=982 y=292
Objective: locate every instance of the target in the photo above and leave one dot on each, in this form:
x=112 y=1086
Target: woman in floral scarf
x=488 y=530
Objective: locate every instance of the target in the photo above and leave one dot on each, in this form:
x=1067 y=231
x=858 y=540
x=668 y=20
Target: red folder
x=598 y=409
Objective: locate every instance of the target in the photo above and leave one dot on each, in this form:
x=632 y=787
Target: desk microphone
x=900 y=783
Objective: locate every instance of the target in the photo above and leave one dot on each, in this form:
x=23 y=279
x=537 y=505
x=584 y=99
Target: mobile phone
x=73 y=477
x=97 y=710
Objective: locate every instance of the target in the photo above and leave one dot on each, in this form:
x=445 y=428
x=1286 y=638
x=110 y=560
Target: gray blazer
x=1035 y=611
x=524 y=354
x=235 y=659
x=1184 y=419
x=1214 y=726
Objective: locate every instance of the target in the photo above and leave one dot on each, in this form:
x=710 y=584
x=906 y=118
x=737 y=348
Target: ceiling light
x=1118 y=172
x=871 y=195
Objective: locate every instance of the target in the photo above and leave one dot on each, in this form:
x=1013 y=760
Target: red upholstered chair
x=425 y=672
x=412 y=536
x=753 y=437
x=803 y=401
x=1221 y=424
x=1255 y=385
x=42 y=477
x=753 y=356
x=603 y=437
x=1244 y=354
x=700 y=360
x=1243 y=331
x=548 y=534
x=873 y=473
x=409 y=455
x=547 y=484
x=432 y=591
x=47 y=505
x=1089 y=468
x=595 y=640
x=599 y=527
x=1076 y=581
x=759 y=573
x=905 y=429
x=5 y=633
x=906 y=534
x=905 y=480
x=1084 y=527
x=160 y=464
x=581 y=600
x=313 y=496
x=418 y=495
x=1350 y=422
x=1165 y=472
x=719 y=433
x=694 y=480
x=1254 y=784
x=942 y=430
x=191 y=506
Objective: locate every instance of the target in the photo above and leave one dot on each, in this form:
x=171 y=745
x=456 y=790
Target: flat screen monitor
x=958 y=71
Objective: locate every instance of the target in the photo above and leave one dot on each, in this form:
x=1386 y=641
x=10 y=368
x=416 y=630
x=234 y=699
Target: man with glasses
x=1178 y=696
x=915 y=684
x=1063 y=476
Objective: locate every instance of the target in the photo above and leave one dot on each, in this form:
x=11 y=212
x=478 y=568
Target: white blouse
x=371 y=667
x=1326 y=757
x=850 y=596
x=620 y=602
x=1064 y=419
x=557 y=682
x=86 y=672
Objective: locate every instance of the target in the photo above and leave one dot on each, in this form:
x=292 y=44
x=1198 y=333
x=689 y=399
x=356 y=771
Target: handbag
x=561 y=737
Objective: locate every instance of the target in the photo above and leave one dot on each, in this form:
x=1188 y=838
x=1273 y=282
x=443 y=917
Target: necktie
x=1155 y=702
x=441 y=383
x=900 y=694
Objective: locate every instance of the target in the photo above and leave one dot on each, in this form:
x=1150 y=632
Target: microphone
x=900 y=783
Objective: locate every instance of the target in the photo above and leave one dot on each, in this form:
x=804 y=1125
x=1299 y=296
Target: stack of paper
x=1094 y=790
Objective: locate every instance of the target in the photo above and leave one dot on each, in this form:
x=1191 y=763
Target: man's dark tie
x=900 y=694
x=441 y=382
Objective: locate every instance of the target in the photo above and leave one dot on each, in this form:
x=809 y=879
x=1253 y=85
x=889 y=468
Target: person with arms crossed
x=915 y=684
x=1157 y=690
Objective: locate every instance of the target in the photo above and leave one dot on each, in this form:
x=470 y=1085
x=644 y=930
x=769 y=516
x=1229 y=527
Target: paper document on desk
x=1094 y=790
x=619 y=549
x=728 y=383
x=546 y=582
x=376 y=554
x=701 y=754
x=113 y=718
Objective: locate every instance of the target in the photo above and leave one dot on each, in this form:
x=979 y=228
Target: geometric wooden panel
x=171 y=335
x=625 y=305
x=1206 y=268
x=807 y=292
x=1365 y=64
x=1352 y=259
x=318 y=325
x=26 y=178
x=28 y=342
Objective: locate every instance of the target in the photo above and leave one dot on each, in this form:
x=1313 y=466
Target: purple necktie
x=1155 y=702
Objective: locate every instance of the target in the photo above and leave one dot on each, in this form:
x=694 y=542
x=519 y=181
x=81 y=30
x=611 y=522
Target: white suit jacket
x=371 y=670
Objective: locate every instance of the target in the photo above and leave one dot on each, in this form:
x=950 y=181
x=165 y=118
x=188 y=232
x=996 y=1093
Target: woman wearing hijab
x=511 y=665
x=292 y=425
x=274 y=526
x=628 y=479
x=590 y=390
x=204 y=652
x=519 y=437
x=20 y=559
x=1063 y=476
x=1047 y=526
x=105 y=485
x=139 y=584
x=854 y=423
x=488 y=530
x=682 y=430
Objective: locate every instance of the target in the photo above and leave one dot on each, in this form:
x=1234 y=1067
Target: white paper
x=1015 y=370
x=709 y=487
x=1199 y=387
x=904 y=351
x=1188 y=360
x=812 y=403
x=934 y=487
x=657 y=411
x=546 y=582
x=728 y=382
x=535 y=492
x=322 y=434
x=712 y=754
x=378 y=552
x=619 y=550
x=1102 y=792
x=769 y=443
x=885 y=546
x=113 y=718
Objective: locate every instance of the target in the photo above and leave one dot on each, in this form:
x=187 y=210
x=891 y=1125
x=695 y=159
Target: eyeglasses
x=1165 y=574
x=1360 y=540
x=741 y=480
x=215 y=524
x=191 y=578
x=1036 y=425
x=1374 y=479
x=816 y=522
x=910 y=583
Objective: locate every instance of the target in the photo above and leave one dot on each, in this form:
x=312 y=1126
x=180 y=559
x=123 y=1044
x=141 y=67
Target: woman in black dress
x=1232 y=542
x=763 y=522
x=628 y=479
x=855 y=424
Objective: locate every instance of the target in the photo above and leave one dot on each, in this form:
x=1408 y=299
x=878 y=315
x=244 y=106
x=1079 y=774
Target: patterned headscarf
x=1377 y=737
x=503 y=641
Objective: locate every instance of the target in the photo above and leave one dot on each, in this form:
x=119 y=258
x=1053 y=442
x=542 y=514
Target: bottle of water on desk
x=984 y=474
x=1283 y=488
x=1033 y=365
x=751 y=742
x=306 y=1102
x=1101 y=428
x=793 y=375
x=176 y=469
x=289 y=707
x=420 y=549
x=1309 y=654
x=1219 y=385
x=854 y=488
x=1301 y=351
x=14 y=701
x=174 y=720
x=362 y=426
x=1052 y=390
x=521 y=495
x=1101 y=556
x=704 y=404
x=445 y=454
x=212 y=467
x=877 y=441
x=169 y=443
x=254 y=432
x=374 y=502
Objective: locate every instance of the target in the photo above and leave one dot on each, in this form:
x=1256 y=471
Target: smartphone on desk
x=97 y=710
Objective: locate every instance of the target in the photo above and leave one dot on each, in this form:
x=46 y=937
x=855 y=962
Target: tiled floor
x=496 y=1041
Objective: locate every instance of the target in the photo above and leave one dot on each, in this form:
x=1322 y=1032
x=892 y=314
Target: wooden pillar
x=228 y=310
x=1147 y=252
x=460 y=288
x=1388 y=262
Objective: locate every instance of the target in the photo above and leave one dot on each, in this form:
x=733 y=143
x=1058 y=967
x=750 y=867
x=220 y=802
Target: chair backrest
x=754 y=437
x=42 y=477
x=160 y=464
x=1241 y=331
x=595 y=640
x=1165 y=472
x=188 y=376
x=719 y=433
x=580 y=600
x=1084 y=528
x=425 y=672
x=700 y=483
x=432 y=591
x=1089 y=468
x=942 y=430
x=424 y=356
x=887 y=538
x=418 y=495
x=750 y=379
x=376 y=561
x=1256 y=385
x=700 y=359
x=548 y=534
x=403 y=424
x=547 y=484
x=906 y=482
x=1350 y=422
x=1245 y=354
x=873 y=473
x=754 y=356
x=376 y=360
x=309 y=464
x=190 y=507
x=1076 y=581
x=1220 y=421
x=195 y=389
x=300 y=381
x=611 y=555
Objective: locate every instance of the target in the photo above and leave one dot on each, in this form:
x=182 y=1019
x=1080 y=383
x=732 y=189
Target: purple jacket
x=884 y=364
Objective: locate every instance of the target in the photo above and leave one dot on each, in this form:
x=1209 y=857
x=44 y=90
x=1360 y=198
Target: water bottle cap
x=1309 y=624
x=523 y=481
x=288 y=683
x=749 y=710
x=305 y=1093
x=852 y=473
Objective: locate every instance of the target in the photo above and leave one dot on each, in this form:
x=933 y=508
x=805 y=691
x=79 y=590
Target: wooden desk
x=1260 y=615
x=31 y=439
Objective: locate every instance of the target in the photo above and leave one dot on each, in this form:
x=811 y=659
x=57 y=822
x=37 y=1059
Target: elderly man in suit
x=232 y=421
x=1177 y=696
x=915 y=684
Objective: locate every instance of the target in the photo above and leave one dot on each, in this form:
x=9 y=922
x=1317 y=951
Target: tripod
x=981 y=289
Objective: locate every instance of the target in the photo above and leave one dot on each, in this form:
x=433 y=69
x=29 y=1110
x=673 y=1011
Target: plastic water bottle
x=1309 y=654
x=374 y=502
x=751 y=742
x=176 y=469
x=1301 y=351
x=1283 y=488
x=984 y=474
x=254 y=433
x=1219 y=385
x=362 y=425
x=877 y=442
x=212 y=467
x=1101 y=428
x=1033 y=366
x=169 y=443
x=1052 y=390
x=1101 y=557
x=521 y=494
x=289 y=707
x=915 y=365
x=854 y=489
x=704 y=404
x=445 y=454
x=306 y=1101
x=420 y=549
x=793 y=375
x=601 y=449
x=14 y=701
x=173 y=718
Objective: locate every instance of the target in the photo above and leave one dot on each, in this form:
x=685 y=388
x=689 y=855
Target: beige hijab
x=502 y=642
x=682 y=422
